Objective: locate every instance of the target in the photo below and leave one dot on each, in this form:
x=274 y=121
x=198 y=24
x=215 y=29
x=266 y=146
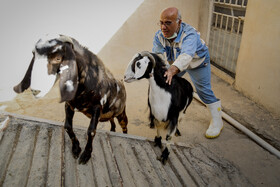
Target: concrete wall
x=137 y=35
x=138 y=31
x=258 y=65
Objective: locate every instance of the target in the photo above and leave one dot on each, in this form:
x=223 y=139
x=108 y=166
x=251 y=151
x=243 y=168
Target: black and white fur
x=165 y=101
x=85 y=85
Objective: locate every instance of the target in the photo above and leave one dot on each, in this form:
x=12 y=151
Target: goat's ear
x=68 y=74
x=141 y=67
x=25 y=83
x=130 y=70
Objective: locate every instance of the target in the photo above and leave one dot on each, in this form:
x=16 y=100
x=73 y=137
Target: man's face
x=169 y=23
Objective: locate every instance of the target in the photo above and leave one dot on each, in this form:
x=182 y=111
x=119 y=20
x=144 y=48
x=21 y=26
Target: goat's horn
x=63 y=38
x=147 y=53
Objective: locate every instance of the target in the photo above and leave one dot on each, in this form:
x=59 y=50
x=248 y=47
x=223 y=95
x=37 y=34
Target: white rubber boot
x=216 y=124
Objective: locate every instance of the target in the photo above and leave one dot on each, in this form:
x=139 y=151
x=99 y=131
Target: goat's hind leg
x=113 y=125
x=177 y=133
x=122 y=119
x=68 y=126
x=152 y=118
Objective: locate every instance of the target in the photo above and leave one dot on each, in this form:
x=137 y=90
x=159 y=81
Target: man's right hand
x=172 y=70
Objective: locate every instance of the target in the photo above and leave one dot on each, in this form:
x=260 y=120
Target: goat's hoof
x=162 y=160
x=84 y=157
x=125 y=131
x=158 y=142
x=164 y=156
x=177 y=133
x=152 y=125
x=76 y=150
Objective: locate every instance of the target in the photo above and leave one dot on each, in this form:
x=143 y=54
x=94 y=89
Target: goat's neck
x=157 y=76
x=159 y=99
x=152 y=82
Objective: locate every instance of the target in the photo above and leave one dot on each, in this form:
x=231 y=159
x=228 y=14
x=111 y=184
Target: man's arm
x=183 y=61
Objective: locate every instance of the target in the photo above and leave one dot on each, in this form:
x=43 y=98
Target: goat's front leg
x=159 y=127
x=165 y=153
x=172 y=129
x=68 y=126
x=157 y=139
x=91 y=133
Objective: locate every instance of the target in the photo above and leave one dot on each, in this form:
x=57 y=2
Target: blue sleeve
x=157 y=46
x=189 y=44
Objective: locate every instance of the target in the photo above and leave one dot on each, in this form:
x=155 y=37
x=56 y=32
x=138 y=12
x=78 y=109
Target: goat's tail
x=189 y=100
x=187 y=104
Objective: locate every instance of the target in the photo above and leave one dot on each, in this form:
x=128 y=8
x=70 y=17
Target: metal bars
x=232 y=3
x=225 y=34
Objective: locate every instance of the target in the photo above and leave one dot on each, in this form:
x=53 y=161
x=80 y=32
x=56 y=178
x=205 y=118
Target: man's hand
x=173 y=70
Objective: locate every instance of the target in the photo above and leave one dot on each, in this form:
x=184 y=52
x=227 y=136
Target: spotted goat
x=85 y=85
x=165 y=101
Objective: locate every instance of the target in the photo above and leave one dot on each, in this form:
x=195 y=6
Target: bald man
x=180 y=44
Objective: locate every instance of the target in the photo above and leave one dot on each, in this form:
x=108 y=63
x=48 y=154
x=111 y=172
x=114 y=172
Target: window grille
x=226 y=32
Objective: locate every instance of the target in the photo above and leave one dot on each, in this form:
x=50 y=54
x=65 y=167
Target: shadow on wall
x=138 y=31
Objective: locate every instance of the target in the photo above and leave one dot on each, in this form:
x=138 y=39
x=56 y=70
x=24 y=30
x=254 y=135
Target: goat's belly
x=107 y=116
x=160 y=103
x=103 y=117
x=160 y=113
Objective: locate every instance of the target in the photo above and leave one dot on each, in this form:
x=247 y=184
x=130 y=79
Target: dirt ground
x=259 y=166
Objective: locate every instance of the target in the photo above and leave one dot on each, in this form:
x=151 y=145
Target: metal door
x=225 y=33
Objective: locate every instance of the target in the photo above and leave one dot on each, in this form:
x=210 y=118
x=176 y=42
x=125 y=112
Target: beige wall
x=258 y=65
x=138 y=31
x=137 y=34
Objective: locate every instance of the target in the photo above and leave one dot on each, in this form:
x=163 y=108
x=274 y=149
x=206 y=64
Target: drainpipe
x=243 y=129
x=210 y=16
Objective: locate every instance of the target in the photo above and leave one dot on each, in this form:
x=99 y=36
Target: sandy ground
x=259 y=166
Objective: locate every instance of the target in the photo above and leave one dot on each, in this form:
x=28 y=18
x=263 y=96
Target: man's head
x=170 y=20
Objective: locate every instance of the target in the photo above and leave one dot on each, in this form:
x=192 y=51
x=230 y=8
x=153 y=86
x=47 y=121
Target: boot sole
x=212 y=137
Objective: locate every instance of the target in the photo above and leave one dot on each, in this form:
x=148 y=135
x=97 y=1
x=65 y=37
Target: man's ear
x=68 y=74
x=26 y=81
x=180 y=21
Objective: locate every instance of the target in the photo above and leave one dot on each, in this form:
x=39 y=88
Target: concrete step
x=36 y=152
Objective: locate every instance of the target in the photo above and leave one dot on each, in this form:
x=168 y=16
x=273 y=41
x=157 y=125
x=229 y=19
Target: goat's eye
x=138 y=64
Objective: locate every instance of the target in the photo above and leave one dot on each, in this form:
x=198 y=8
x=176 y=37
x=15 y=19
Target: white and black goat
x=165 y=101
x=85 y=84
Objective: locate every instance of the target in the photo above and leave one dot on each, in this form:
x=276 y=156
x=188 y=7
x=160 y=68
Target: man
x=180 y=44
